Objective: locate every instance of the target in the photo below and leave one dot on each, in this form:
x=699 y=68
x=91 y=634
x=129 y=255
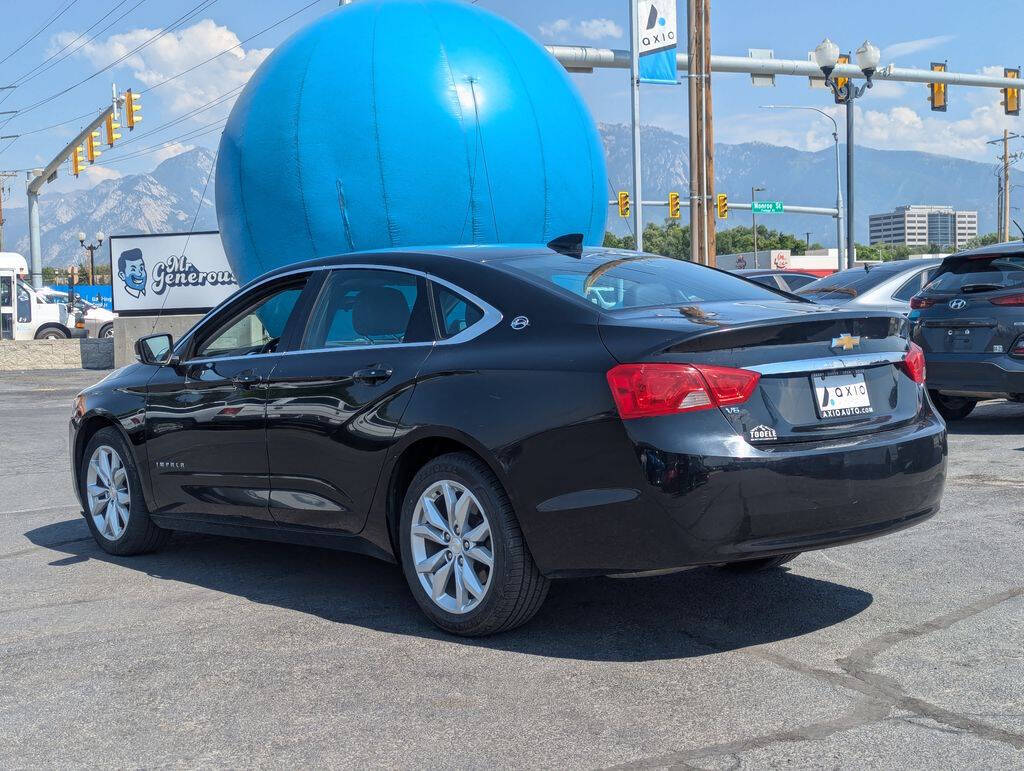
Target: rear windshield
x=969 y=276
x=621 y=280
x=847 y=284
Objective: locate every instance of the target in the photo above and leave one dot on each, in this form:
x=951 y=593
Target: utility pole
x=634 y=89
x=692 y=70
x=1004 y=185
x=753 y=220
x=707 y=137
x=4 y=175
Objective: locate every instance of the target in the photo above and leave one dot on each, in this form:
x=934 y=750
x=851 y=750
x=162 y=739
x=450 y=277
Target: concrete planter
x=85 y=353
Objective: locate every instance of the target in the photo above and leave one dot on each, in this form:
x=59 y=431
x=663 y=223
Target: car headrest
x=380 y=310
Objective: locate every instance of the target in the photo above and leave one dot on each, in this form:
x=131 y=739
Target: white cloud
x=908 y=47
x=174 y=53
x=599 y=29
x=169 y=151
x=590 y=29
x=89 y=178
x=896 y=128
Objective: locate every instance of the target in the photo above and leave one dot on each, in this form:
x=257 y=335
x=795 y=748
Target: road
x=900 y=652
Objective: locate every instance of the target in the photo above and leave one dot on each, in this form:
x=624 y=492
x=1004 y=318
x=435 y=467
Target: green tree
x=673 y=240
x=986 y=240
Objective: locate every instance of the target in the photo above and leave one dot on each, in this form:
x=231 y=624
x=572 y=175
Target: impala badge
x=846 y=341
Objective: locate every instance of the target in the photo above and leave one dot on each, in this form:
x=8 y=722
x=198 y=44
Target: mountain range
x=170 y=198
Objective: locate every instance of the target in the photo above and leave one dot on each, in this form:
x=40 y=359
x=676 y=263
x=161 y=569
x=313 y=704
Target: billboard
x=657 y=34
x=169 y=273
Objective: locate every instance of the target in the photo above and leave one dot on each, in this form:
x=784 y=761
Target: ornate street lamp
x=91 y=248
x=845 y=91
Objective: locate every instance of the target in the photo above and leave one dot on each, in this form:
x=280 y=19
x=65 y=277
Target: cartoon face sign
x=131 y=269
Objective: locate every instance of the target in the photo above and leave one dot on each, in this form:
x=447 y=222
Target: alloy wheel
x=109 y=496
x=451 y=546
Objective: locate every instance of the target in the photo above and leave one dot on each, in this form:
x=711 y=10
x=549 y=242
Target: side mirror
x=154 y=349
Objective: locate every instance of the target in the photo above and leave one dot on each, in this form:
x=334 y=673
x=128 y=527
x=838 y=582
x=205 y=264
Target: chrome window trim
x=829 y=363
x=490 y=319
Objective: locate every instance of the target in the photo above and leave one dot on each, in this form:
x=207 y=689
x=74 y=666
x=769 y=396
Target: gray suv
x=970 y=323
x=886 y=287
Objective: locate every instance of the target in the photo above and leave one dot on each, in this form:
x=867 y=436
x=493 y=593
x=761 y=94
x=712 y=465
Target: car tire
x=760 y=565
x=115 y=508
x=443 y=561
x=953 y=407
x=51 y=333
x=107 y=330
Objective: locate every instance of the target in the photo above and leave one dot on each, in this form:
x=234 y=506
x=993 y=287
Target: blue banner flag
x=657 y=32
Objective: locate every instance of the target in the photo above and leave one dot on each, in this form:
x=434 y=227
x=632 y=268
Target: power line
x=39 y=31
x=194 y=11
x=40 y=68
x=277 y=23
x=216 y=102
x=203 y=130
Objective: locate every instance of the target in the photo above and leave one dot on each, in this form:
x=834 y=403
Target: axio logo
x=131 y=269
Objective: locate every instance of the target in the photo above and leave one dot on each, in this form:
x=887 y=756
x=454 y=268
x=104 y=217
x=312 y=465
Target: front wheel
x=115 y=509
x=107 y=331
x=953 y=407
x=463 y=553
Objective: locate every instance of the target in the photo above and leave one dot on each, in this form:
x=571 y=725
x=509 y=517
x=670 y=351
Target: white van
x=24 y=313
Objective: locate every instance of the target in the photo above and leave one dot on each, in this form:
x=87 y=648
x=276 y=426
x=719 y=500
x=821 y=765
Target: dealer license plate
x=841 y=396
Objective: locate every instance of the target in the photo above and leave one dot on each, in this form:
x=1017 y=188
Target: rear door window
x=914 y=285
x=973 y=276
x=362 y=307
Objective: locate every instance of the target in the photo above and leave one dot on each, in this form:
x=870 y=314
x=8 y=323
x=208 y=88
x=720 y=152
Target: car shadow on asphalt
x=692 y=613
x=991 y=419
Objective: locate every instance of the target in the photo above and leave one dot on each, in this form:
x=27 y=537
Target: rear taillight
x=647 y=390
x=913 y=363
x=918 y=302
x=1017 y=349
x=1010 y=299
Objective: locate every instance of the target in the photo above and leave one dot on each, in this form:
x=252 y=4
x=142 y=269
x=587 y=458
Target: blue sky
x=972 y=36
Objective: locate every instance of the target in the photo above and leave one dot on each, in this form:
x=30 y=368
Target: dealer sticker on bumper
x=841 y=396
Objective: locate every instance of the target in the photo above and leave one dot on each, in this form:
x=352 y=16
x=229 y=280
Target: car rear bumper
x=696 y=508
x=984 y=374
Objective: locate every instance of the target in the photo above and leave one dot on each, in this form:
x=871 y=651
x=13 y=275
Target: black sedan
x=492 y=418
x=970 y=322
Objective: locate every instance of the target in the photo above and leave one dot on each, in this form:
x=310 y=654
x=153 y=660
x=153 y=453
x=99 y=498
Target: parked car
x=478 y=416
x=97 y=321
x=786 y=280
x=970 y=322
x=887 y=286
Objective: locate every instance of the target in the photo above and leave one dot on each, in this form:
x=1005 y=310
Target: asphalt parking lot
x=907 y=651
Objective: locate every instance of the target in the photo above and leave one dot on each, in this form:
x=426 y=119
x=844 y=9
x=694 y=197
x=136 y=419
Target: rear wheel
x=463 y=553
x=953 y=407
x=759 y=565
x=107 y=330
x=114 y=507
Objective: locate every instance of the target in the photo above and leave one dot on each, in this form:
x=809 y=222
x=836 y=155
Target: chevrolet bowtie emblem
x=846 y=341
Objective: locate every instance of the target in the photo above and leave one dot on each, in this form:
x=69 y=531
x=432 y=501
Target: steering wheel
x=270 y=346
x=596 y=295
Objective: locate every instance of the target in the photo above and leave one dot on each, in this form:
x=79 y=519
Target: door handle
x=247 y=379
x=373 y=375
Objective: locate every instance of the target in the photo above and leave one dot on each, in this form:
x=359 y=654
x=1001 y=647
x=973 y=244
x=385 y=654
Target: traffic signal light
x=673 y=206
x=112 y=126
x=131 y=109
x=937 y=91
x=623 y=203
x=722 y=204
x=77 y=160
x=842 y=82
x=91 y=142
x=1011 y=96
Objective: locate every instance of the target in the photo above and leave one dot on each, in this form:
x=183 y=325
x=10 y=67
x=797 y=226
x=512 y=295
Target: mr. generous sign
x=171 y=273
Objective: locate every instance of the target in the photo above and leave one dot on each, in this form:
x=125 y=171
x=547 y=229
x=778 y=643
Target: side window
x=358 y=307
x=455 y=312
x=914 y=285
x=257 y=328
x=798 y=282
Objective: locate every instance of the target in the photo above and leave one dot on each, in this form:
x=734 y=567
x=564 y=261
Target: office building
x=917 y=225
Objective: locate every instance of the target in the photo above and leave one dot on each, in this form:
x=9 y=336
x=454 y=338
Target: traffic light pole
x=36 y=180
x=851 y=247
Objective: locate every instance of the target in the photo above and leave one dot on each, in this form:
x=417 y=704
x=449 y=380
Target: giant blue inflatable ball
x=393 y=123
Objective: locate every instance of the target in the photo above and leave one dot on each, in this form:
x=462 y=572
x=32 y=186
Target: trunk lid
x=803 y=352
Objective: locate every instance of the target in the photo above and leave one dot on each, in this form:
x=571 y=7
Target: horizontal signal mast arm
x=36 y=184
x=591 y=57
